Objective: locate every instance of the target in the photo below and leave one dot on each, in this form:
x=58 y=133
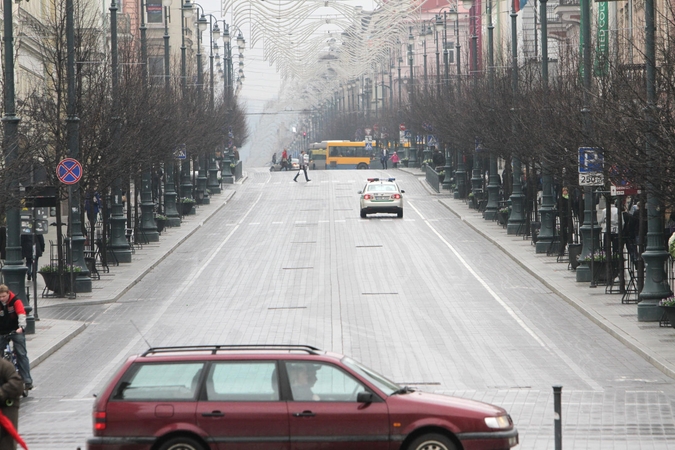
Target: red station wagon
x=281 y=397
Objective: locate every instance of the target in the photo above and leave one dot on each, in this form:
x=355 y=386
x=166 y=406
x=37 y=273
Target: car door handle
x=213 y=414
x=304 y=414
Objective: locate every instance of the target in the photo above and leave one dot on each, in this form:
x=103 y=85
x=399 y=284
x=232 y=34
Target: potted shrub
x=186 y=205
x=668 y=307
x=600 y=264
x=405 y=162
x=503 y=216
x=160 y=220
x=58 y=282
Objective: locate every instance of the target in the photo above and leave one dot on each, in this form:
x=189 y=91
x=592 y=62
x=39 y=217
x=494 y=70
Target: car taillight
x=99 y=420
x=367 y=197
x=396 y=196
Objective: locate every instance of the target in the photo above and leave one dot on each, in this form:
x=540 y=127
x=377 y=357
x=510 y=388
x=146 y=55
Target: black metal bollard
x=557 y=417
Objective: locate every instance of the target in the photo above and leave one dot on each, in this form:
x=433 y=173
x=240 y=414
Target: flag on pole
x=519 y=4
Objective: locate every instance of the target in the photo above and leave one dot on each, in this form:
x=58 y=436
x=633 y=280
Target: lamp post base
x=546 y=245
x=121 y=255
x=83 y=284
x=649 y=311
x=583 y=273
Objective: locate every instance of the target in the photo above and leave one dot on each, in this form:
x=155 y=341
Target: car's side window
x=165 y=381
x=321 y=383
x=242 y=381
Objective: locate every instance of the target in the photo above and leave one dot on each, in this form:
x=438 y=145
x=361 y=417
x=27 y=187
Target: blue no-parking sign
x=69 y=171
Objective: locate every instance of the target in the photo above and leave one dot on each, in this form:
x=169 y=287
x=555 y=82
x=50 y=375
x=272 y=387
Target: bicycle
x=10 y=355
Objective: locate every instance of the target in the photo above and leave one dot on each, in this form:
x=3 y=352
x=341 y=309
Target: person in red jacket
x=12 y=328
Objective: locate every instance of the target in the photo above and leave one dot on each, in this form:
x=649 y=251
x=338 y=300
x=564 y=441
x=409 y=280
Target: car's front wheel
x=432 y=441
x=362 y=166
x=181 y=443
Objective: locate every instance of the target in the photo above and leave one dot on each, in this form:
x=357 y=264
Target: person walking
x=394 y=159
x=284 y=160
x=274 y=158
x=384 y=157
x=11 y=389
x=32 y=250
x=304 y=163
x=13 y=328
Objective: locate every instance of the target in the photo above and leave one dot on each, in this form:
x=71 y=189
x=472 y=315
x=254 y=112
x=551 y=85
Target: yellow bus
x=349 y=155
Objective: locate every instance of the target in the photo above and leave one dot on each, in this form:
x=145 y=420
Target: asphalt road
x=423 y=299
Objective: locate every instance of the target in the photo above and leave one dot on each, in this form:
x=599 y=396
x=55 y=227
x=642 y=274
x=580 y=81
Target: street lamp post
x=590 y=230
x=186 y=12
x=656 y=285
x=82 y=280
x=411 y=92
x=173 y=218
x=460 y=173
x=201 y=191
x=119 y=246
x=148 y=225
x=423 y=35
x=212 y=181
x=492 y=206
x=517 y=216
x=438 y=28
x=14 y=271
x=477 y=169
x=547 y=229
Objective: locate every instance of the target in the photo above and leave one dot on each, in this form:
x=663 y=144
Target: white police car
x=381 y=195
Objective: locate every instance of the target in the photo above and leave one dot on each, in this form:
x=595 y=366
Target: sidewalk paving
x=52 y=334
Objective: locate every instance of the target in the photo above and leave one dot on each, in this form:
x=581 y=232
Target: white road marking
x=185 y=292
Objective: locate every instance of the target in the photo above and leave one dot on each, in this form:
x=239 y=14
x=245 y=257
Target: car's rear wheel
x=432 y=441
x=362 y=166
x=363 y=214
x=181 y=443
x=399 y=214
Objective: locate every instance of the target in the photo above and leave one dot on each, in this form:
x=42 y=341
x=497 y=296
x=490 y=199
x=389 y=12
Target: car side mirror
x=402 y=191
x=365 y=397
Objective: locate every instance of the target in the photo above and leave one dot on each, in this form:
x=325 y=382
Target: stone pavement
x=51 y=334
x=647 y=339
x=653 y=343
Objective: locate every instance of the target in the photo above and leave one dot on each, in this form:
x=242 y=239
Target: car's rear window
x=160 y=381
x=381 y=188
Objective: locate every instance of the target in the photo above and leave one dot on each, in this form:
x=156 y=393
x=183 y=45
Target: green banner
x=602 y=41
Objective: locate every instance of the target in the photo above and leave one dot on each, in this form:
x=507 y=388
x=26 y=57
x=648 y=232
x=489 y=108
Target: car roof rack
x=214 y=349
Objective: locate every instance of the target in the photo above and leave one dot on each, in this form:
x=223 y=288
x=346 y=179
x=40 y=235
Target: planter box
x=600 y=271
x=161 y=223
x=58 y=284
x=670 y=314
x=186 y=208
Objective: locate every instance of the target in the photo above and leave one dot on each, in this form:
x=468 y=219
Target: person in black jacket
x=27 y=250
